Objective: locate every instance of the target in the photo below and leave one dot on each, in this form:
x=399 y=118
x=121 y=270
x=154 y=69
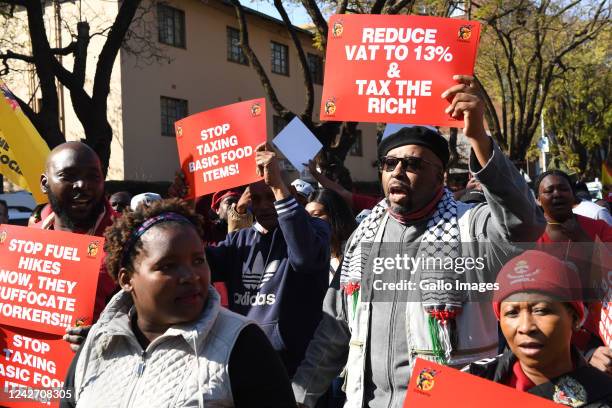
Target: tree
x=578 y=112
x=90 y=108
x=524 y=50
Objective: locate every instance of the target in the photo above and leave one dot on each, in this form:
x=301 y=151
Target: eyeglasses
x=411 y=163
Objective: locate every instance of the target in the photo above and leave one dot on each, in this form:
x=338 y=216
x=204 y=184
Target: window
x=234 y=51
x=357 y=147
x=171 y=25
x=280 y=58
x=171 y=111
x=315 y=64
x=278 y=124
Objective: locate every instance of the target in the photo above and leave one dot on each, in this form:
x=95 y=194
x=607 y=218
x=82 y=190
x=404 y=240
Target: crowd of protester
x=257 y=296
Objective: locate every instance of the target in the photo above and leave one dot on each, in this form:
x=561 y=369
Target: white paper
x=297 y=143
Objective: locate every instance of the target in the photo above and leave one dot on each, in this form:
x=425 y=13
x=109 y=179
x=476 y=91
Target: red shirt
x=593 y=228
x=106 y=285
x=518 y=379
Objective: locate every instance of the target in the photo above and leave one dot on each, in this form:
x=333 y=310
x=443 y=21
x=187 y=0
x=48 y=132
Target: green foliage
x=526 y=50
x=578 y=111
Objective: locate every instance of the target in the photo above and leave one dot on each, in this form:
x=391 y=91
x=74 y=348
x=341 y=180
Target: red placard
x=436 y=386
x=217 y=147
x=393 y=69
x=33 y=367
x=47 y=278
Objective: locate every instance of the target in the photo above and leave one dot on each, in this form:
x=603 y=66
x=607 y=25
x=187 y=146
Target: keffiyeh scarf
x=441 y=239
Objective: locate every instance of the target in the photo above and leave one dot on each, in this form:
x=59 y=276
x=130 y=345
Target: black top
x=586 y=384
x=257 y=375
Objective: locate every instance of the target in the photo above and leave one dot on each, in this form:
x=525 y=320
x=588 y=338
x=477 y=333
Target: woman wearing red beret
x=539 y=308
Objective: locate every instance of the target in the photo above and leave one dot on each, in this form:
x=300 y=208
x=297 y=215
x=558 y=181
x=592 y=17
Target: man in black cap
x=377 y=332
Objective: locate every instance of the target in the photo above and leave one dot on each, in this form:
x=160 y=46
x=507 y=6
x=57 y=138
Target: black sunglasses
x=410 y=163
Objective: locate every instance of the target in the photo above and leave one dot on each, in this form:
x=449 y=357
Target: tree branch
x=106 y=60
x=312 y=8
x=491 y=116
x=254 y=61
x=80 y=54
x=307 y=114
x=378 y=6
x=342 y=7
x=400 y=5
x=9 y=55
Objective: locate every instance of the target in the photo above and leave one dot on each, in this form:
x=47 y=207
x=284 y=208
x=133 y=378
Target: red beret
x=220 y=195
x=537 y=271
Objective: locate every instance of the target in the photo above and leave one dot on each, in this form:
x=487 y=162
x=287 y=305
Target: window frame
x=356 y=149
x=165 y=99
x=284 y=47
x=242 y=59
x=165 y=11
x=317 y=80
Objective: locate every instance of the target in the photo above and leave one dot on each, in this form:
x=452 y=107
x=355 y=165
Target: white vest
x=185 y=367
x=477 y=329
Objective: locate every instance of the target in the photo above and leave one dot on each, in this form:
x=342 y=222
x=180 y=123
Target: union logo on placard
x=92 y=249
x=80 y=321
x=179 y=131
x=425 y=380
x=256 y=109
x=3 y=236
x=8 y=95
x=338 y=29
x=330 y=106
x=465 y=32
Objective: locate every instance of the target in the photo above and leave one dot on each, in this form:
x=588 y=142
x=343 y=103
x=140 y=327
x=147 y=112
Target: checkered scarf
x=443 y=230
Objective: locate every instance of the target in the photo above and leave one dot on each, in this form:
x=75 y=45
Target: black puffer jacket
x=586 y=386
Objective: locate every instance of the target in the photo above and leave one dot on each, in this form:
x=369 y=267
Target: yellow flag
x=21 y=146
x=9 y=166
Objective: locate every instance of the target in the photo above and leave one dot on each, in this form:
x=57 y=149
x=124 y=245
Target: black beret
x=416 y=135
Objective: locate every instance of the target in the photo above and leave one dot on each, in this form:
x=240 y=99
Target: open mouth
x=531 y=348
x=81 y=203
x=398 y=190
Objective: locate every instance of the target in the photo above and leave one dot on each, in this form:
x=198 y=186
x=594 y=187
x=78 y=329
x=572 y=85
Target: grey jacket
x=353 y=340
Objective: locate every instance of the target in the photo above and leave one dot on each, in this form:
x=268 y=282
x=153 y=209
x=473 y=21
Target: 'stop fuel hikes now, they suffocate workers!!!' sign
x=47 y=278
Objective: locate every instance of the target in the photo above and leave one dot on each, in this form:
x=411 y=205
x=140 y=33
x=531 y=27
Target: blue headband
x=147 y=225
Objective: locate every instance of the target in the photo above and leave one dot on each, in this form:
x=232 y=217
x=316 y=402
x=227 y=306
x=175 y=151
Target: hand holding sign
x=466 y=104
x=267 y=167
x=76 y=336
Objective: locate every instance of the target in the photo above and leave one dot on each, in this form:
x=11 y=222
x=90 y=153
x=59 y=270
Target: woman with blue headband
x=164 y=340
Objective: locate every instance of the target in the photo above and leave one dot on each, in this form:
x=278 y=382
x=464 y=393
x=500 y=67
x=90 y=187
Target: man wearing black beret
x=377 y=334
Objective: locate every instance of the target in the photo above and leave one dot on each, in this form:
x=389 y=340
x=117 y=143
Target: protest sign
x=33 y=367
x=436 y=386
x=393 y=69
x=297 y=143
x=48 y=279
x=217 y=147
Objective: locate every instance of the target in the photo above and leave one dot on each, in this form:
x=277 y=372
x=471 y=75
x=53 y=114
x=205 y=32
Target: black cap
x=416 y=135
